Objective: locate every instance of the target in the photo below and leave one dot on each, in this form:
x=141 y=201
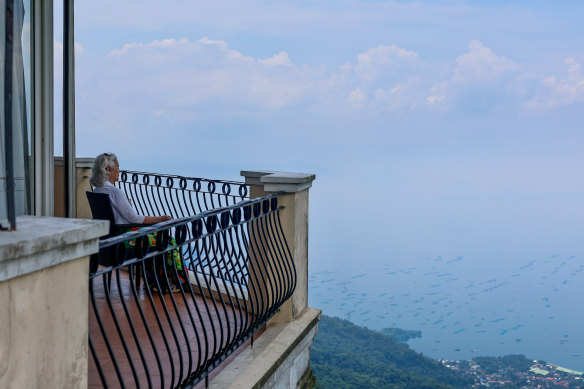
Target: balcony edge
x=273 y=357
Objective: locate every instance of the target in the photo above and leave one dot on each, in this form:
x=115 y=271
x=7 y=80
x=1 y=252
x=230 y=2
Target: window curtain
x=20 y=149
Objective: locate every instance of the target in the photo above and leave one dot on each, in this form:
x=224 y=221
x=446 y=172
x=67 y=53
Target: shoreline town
x=539 y=375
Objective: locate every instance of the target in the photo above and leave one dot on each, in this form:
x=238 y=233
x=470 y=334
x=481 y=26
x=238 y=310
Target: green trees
x=344 y=355
x=492 y=365
x=400 y=335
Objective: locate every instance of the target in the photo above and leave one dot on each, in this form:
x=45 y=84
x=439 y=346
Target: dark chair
x=101 y=209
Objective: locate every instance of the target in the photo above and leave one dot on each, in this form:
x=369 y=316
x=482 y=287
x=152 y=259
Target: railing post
x=294 y=219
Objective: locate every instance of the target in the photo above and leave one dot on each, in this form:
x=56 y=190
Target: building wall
x=43 y=330
x=44 y=292
x=295 y=372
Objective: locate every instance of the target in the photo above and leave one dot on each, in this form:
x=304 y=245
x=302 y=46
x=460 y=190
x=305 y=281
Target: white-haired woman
x=104 y=174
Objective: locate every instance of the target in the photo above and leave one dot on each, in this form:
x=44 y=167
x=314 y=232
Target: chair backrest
x=101 y=209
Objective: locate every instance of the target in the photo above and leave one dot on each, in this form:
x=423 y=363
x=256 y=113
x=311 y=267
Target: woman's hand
x=156 y=219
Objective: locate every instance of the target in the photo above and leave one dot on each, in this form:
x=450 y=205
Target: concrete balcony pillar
x=294 y=218
x=82 y=174
x=44 y=275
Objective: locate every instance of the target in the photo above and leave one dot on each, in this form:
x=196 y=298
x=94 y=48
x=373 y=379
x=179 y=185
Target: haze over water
x=464 y=306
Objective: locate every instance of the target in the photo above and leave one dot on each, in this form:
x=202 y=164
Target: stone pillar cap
x=80 y=162
x=275 y=181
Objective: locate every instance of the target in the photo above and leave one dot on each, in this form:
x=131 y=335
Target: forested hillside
x=344 y=355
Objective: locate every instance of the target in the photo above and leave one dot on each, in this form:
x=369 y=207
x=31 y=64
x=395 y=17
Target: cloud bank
x=185 y=81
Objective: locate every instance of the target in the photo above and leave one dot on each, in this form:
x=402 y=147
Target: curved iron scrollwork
x=165 y=194
x=237 y=271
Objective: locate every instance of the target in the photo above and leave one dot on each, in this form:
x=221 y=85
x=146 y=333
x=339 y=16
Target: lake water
x=464 y=306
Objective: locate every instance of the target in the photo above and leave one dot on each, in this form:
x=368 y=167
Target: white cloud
x=357 y=97
x=123 y=50
x=385 y=78
x=383 y=60
x=481 y=65
x=206 y=41
x=406 y=95
x=162 y=44
x=433 y=99
x=222 y=47
x=183 y=81
x=560 y=92
x=280 y=59
x=479 y=80
x=178 y=80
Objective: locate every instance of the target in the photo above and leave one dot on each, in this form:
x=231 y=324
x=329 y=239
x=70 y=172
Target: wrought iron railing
x=178 y=196
x=237 y=272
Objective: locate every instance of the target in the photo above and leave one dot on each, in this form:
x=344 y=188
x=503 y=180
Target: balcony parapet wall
x=280 y=358
x=43 y=301
x=42 y=242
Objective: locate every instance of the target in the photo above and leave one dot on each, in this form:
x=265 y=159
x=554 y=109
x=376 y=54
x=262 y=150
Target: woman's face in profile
x=114 y=172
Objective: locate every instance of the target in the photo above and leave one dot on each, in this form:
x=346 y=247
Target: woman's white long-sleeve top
x=123 y=211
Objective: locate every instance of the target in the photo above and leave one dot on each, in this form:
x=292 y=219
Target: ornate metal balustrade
x=237 y=271
x=164 y=194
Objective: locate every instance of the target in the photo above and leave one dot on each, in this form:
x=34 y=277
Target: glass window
x=20 y=112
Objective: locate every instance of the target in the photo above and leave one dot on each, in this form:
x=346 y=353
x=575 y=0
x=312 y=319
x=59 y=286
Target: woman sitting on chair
x=104 y=174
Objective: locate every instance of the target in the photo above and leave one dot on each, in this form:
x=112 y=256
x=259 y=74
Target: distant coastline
x=400 y=335
x=345 y=355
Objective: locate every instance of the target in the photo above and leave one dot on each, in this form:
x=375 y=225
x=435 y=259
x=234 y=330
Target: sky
x=433 y=127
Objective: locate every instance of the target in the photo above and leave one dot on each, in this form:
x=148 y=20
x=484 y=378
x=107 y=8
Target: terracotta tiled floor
x=168 y=352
